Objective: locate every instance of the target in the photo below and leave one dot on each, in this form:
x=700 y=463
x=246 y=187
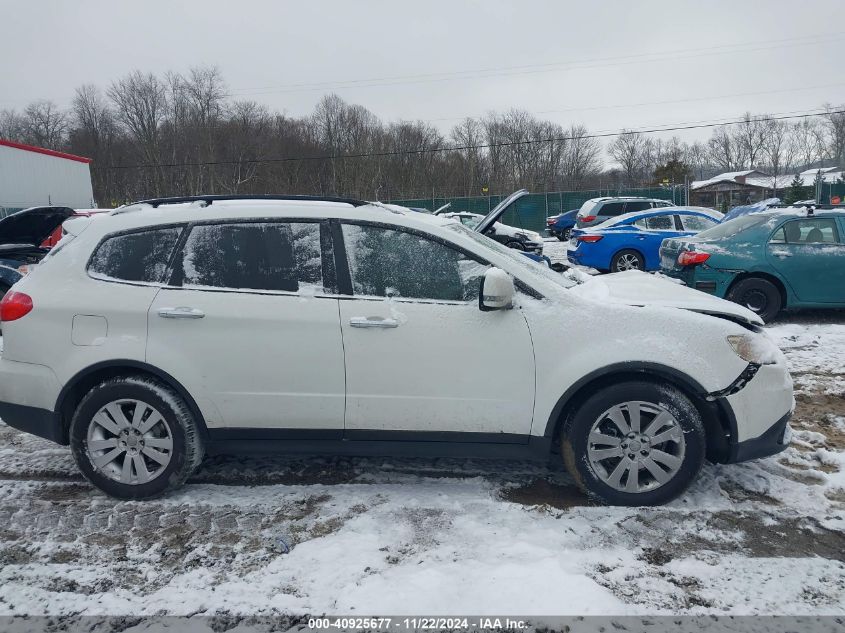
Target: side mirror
x=496 y=291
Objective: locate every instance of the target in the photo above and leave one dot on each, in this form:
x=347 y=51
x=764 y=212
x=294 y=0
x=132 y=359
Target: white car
x=510 y=236
x=171 y=329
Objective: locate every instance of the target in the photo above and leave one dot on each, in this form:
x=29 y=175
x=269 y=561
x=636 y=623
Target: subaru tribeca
x=171 y=329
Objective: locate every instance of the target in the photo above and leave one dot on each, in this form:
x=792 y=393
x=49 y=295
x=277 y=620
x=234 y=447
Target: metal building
x=34 y=176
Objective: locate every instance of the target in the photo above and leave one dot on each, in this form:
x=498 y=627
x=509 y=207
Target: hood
x=637 y=288
x=490 y=219
x=32 y=226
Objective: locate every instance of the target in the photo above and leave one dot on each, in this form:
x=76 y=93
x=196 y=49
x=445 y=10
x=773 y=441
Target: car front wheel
x=134 y=438
x=758 y=295
x=634 y=443
x=515 y=245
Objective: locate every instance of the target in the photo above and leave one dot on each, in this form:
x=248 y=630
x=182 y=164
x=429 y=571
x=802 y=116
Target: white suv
x=170 y=329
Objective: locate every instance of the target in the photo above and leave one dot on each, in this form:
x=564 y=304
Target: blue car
x=560 y=226
x=632 y=241
x=750 y=208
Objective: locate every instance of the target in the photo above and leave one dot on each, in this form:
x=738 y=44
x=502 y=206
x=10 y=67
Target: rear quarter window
x=141 y=256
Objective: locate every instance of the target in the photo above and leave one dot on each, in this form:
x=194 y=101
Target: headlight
x=754 y=348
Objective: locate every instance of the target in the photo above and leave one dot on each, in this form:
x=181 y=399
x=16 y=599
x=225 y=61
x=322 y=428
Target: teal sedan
x=768 y=261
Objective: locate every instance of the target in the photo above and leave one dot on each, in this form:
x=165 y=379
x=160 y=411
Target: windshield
x=520 y=261
x=731 y=227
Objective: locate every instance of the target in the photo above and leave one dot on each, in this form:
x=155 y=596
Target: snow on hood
x=637 y=288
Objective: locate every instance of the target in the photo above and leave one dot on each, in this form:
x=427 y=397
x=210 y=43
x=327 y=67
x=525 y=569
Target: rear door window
x=275 y=256
x=811 y=231
x=612 y=209
x=637 y=205
x=661 y=223
x=141 y=256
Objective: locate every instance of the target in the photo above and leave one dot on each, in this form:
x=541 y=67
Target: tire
x=681 y=432
x=758 y=295
x=515 y=245
x=175 y=433
x=567 y=234
x=627 y=259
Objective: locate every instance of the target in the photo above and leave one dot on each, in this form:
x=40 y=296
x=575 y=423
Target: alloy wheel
x=628 y=261
x=636 y=446
x=129 y=441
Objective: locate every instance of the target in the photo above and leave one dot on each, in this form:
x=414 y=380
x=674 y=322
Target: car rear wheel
x=134 y=438
x=758 y=295
x=565 y=235
x=634 y=443
x=627 y=260
x=515 y=245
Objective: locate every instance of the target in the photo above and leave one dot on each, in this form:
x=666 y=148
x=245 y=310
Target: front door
x=421 y=358
x=249 y=326
x=809 y=254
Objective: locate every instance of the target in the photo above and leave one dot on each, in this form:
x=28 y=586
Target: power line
x=615 y=106
x=483 y=73
x=437 y=150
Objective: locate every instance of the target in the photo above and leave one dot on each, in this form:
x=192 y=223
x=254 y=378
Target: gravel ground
x=412 y=536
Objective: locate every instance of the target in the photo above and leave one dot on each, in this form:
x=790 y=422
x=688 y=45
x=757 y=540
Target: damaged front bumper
x=757 y=407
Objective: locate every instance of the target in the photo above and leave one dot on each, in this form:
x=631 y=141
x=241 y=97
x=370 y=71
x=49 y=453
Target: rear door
x=658 y=228
x=810 y=255
x=422 y=361
x=249 y=325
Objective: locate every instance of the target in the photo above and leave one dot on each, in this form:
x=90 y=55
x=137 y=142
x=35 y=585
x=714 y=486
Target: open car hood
x=32 y=226
x=637 y=288
x=491 y=218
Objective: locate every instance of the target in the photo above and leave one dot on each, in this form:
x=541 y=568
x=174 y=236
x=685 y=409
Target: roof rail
x=156 y=202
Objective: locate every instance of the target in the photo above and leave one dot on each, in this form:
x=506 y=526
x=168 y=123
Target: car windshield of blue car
x=732 y=227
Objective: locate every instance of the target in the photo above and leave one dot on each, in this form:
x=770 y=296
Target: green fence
x=530 y=212
x=830 y=191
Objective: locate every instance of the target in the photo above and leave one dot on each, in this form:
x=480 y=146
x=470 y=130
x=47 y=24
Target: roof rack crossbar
x=156 y=202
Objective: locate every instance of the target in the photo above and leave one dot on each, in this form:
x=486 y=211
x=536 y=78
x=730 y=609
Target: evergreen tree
x=797 y=191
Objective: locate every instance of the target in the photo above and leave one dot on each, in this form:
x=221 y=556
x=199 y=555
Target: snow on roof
x=756 y=178
x=729 y=176
x=44 y=150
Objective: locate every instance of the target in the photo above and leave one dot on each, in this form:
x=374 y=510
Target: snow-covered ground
x=444 y=536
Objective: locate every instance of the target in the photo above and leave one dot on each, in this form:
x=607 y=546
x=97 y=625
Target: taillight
x=692 y=258
x=589 y=238
x=551 y=222
x=14 y=306
x=588 y=218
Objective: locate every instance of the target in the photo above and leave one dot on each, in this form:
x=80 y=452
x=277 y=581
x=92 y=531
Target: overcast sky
x=606 y=64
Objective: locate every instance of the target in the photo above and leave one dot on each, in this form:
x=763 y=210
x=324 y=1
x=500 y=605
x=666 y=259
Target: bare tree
x=11 y=125
x=140 y=101
x=835 y=121
x=43 y=124
x=778 y=148
x=808 y=136
x=723 y=150
x=630 y=151
x=749 y=138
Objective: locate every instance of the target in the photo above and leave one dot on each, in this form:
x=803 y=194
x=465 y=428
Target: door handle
x=373 y=322
x=783 y=255
x=181 y=312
